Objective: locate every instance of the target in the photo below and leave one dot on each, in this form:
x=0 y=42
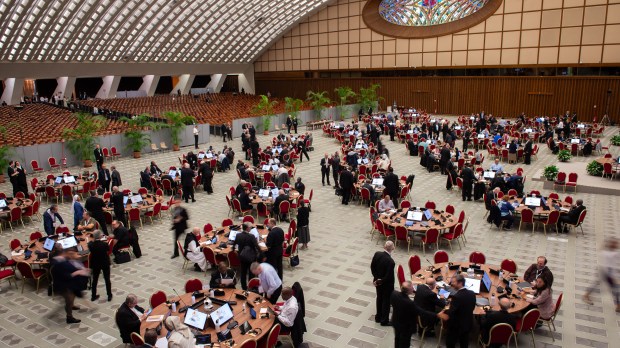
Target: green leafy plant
x=135 y=134
x=293 y=106
x=564 y=156
x=81 y=138
x=265 y=107
x=615 y=140
x=344 y=94
x=5 y=157
x=318 y=101
x=367 y=97
x=594 y=168
x=176 y=122
x=551 y=172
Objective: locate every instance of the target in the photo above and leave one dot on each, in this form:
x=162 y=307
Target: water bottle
x=212 y=293
x=244 y=307
x=217 y=325
x=174 y=306
x=193 y=299
x=470 y=272
x=493 y=300
x=501 y=275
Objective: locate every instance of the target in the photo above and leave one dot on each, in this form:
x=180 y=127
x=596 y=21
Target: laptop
x=201 y=155
x=135 y=199
x=409 y=223
x=581 y=125
x=68 y=242
x=274 y=193
x=266 y=167
x=365 y=160
x=488 y=175
x=3 y=204
x=69 y=180
x=49 y=244
x=480 y=136
x=377 y=181
x=196 y=319
x=486 y=282
x=575 y=141
x=221 y=315
x=532 y=201
x=428 y=214
x=172 y=173
x=232 y=235
x=263 y=193
x=58 y=180
x=414 y=215
x=473 y=285
x=209 y=155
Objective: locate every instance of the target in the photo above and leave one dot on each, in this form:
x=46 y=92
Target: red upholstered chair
x=450 y=209
x=560 y=180
x=233 y=260
x=209 y=256
x=579 y=223
x=52 y=163
x=477 y=257
x=572 y=181
x=527 y=216
x=308 y=201
x=405 y=204
x=15 y=216
x=207 y=228
x=455 y=235
x=193 y=285
x=50 y=192
x=249 y=343
x=35 y=166
x=288 y=255
x=527 y=323
x=401 y=234
x=554 y=195
x=430 y=205
x=364 y=195
x=272 y=339
x=400 y=273
x=35 y=235
x=253 y=284
x=568 y=199
x=8 y=275
x=499 y=334
x=115 y=152
x=441 y=256
x=136 y=339
x=431 y=236
x=608 y=170
x=134 y=215
x=28 y=273
x=512 y=192
x=227 y=222
x=182 y=252
x=155 y=212
x=285 y=209
x=143 y=191
x=158 y=298
x=414 y=264
x=551 y=321
x=248 y=218
x=509 y=265
x=262 y=211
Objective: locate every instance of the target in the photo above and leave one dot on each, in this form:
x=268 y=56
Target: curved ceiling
x=149 y=31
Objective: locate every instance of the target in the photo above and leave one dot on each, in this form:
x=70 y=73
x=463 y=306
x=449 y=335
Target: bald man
x=382 y=268
x=497 y=317
x=288 y=311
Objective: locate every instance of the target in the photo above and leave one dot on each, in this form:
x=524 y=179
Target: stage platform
x=586 y=183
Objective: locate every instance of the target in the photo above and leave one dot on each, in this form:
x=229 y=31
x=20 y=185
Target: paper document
x=154 y=318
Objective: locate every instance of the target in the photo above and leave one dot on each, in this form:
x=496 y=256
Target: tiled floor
x=334 y=271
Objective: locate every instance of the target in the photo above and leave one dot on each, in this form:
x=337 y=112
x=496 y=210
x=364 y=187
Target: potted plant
x=176 y=122
x=551 y=172
x=292 y=106
x=344 y=94
x=564 y=155
x=318 y=101
x=615 y=140
x=368 y=98
x=265 y=107
x=81 y=139
x=594 y=168
x=137 y=139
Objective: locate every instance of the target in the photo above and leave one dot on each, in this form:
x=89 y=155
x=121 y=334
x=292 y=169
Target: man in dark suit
x=99 y=262
x=404 y=315
x=392 y=185
x=224 y=131
x=527 y=151
x=49 y=217
x=121 y=235
x=325 y=165
x=145 y=179
x=245 y=240
x=572 y=217
x=382 y=268
x=95 y=206
x=118 y=202
x=274 y=242
x=127 y=320
x=493 y=318
x=335 y=162
x=192 y=159
x=222 y=272
x=460 y=316
x=346 y=184
x=275 y=210
x=244 y=199
x=104 y=178
x=179 y=225
x=427 y=299
x=445 y=158
x=98 y=156
x=116 y=177
x=187 y=182
x=468 y=176
x=69 y=281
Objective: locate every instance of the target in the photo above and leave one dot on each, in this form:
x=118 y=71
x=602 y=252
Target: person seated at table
x=423 y=143
x=492 y=318
x=479 y=157
x=299 y=186
x=431 y=160
x=150 y=338
x=244 y=199
x=386 y=204
x=173 y=182
x=572 y=217
x=223 y=272
x=561 y=136
x=383 y=163
x=371 y=190
x=282 y=177
x=51 y=219
x=129 y=316
x=88 y=224
x=587 y=148
x=193 y=251
x=515 y=181
x=427 y=299
x=491 y=195
x=145 y=179
x=506 y=209
x=537 y=270
x=121 y=235
x=155 y=169
x=496 y=137
x=287 y=313
x=192 y=159
x=496 y=166
x=243 y=173
x=223 y=161
x=512 y=148
x=543 y=298
x=275 y=210
x=179 y=334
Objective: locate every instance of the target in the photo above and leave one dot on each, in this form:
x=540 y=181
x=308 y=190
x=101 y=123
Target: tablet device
x=532 y=201
x=68 y=242
x=58 y=180
x=581 y=125
x=49 y=244
x=414 y=215
x=195 y=319
x=480 y=136
x=69 y=179
x=252 y=313
x=3 y=203
x=222 y=314
x=359 y=160
x=274 y=167
x=136 y=199
x=444 y=293
x=125 y=199
x=377 y=181
x=263 y=193
x=232 y=235
x=172 y=173
x=274 y=193
x=409 y=223
x=473 y=285
x=209 y=155
x=201 y=155
x=486 y=281
x=265 y=167
x=428 y=214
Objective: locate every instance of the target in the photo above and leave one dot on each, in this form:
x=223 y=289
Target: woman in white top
x=609 y=272
x=193 y=251
x=384 y=163
x=180 y=335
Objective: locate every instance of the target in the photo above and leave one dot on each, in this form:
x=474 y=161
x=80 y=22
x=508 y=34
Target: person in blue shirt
x=78 y=210
x=496 y=138
x=507 y=211
x=49 y=217
x=497 y=167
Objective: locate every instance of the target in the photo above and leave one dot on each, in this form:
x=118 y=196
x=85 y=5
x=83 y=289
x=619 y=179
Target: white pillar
x=149 y=84
x=65 y=86
x=109 y=87
x=184 y=84
x=246 y=80
x=13 y=91
x=217 y=81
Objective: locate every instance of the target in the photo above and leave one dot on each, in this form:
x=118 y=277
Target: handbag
x=295 y=261
x=122 y=257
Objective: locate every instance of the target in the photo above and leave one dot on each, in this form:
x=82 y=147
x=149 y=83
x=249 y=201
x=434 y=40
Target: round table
x=518 y=297
x=37 y=246
x=12 y=203
x=292 y=195
x=398 y=218
x=264 y=324
x=539 y=210
x=150 y=200
x=221 y=234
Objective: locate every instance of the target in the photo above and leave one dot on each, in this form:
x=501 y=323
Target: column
x=149 y=84
x=109 y=87
x=65 y=86
x=217 y=81
x=13 y=91
x=184 y=84
x=246 y=80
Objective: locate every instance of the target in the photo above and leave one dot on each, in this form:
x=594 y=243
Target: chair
x=401 y=234
x=431 y=236
x=509 y=265
x=233 y=260
x=9 y=275
x=50 y=192
x=182 y=252
x=158 y=298
x=477 y=257
x=499 y=334
x=114 y=152
x=554 y=195
x=253 y=283
x=512 y=192
x=579 y=223
x=154 y=148
x=209 y=256
x=136 y=339
x=572 y=181
x=293 y=252
x=66 y=191
x=31 y=211
x=237 y=208
x=155 y=212
x=169 y=205
x=248 y=218
x=207 y=228
x=250 y=343
x=63 y=229
x=560 y=180
x=450 y=209
x=405 y=204
x=430 y=205
x=163 y=146
x=285 y=209
x=35 y=166
x=35 y=235
x=308 y=201
x=134 y=215
x=441 y=256
x=28 y=273
x=400 y=273
x=527 y=216
x=193 y=285
x=568 y=199
x=14 y=244
x=414 y=264
x=227 y=222
x=364 y=195
x=551 y=321
x=14 y=216
x=262 y=211
x=52 y=163
x=456 y=235
x=527 y=324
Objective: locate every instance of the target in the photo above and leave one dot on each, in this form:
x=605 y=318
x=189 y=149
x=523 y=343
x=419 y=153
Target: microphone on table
x=185 y=306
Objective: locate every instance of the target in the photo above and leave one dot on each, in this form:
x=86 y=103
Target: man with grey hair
x=270 y=283
x=382 y=268
x=99 y=261
x=129 y=316
x=459 y=317
x=493 y=318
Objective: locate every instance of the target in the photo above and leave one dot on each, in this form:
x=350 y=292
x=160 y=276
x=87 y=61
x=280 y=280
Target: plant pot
x=2 y=179
x=265 y=132
x=175 y=147
x=88 y=163
x=136 y=154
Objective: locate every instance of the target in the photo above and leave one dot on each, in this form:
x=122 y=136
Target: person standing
x=22 y=182
x=51 y=219
x=116 y=177
x=468 y=176
x=609 y=273
x=224 y=131
x=196 y=132
x=391 y=182
x=459 y=317
x=303 y=220
x=77 y=210
x=289 y=123
x=70 y=279
x=346 y=184
x=247 y=247
x=325 y=165
x=187 y=182
x=382 y=268
x=104 y=178
x=335 y=163
x=301 y=146
x=99 y=262
x=229 y=130
x=270 y=284
x=12 y=174
x=98 y=156
x=179 y=225
x=118 y=202
x=206 y=173
x=274 y=242
x=95 y=206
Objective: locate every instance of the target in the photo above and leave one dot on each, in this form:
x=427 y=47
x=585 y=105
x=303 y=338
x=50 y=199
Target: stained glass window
x=427 y=12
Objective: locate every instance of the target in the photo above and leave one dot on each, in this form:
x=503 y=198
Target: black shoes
x=95 y=298
x=109 y=298
x=389 y=323
x=72 y=320
x=174 y=256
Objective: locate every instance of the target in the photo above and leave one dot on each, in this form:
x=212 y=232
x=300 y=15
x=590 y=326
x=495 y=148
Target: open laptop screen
x=532 y=201
x=473 y=285
x=195 y=319
x=67 y=243
x=414 y=215
x=3 y=203
x=222 y=314
x=49 y=244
